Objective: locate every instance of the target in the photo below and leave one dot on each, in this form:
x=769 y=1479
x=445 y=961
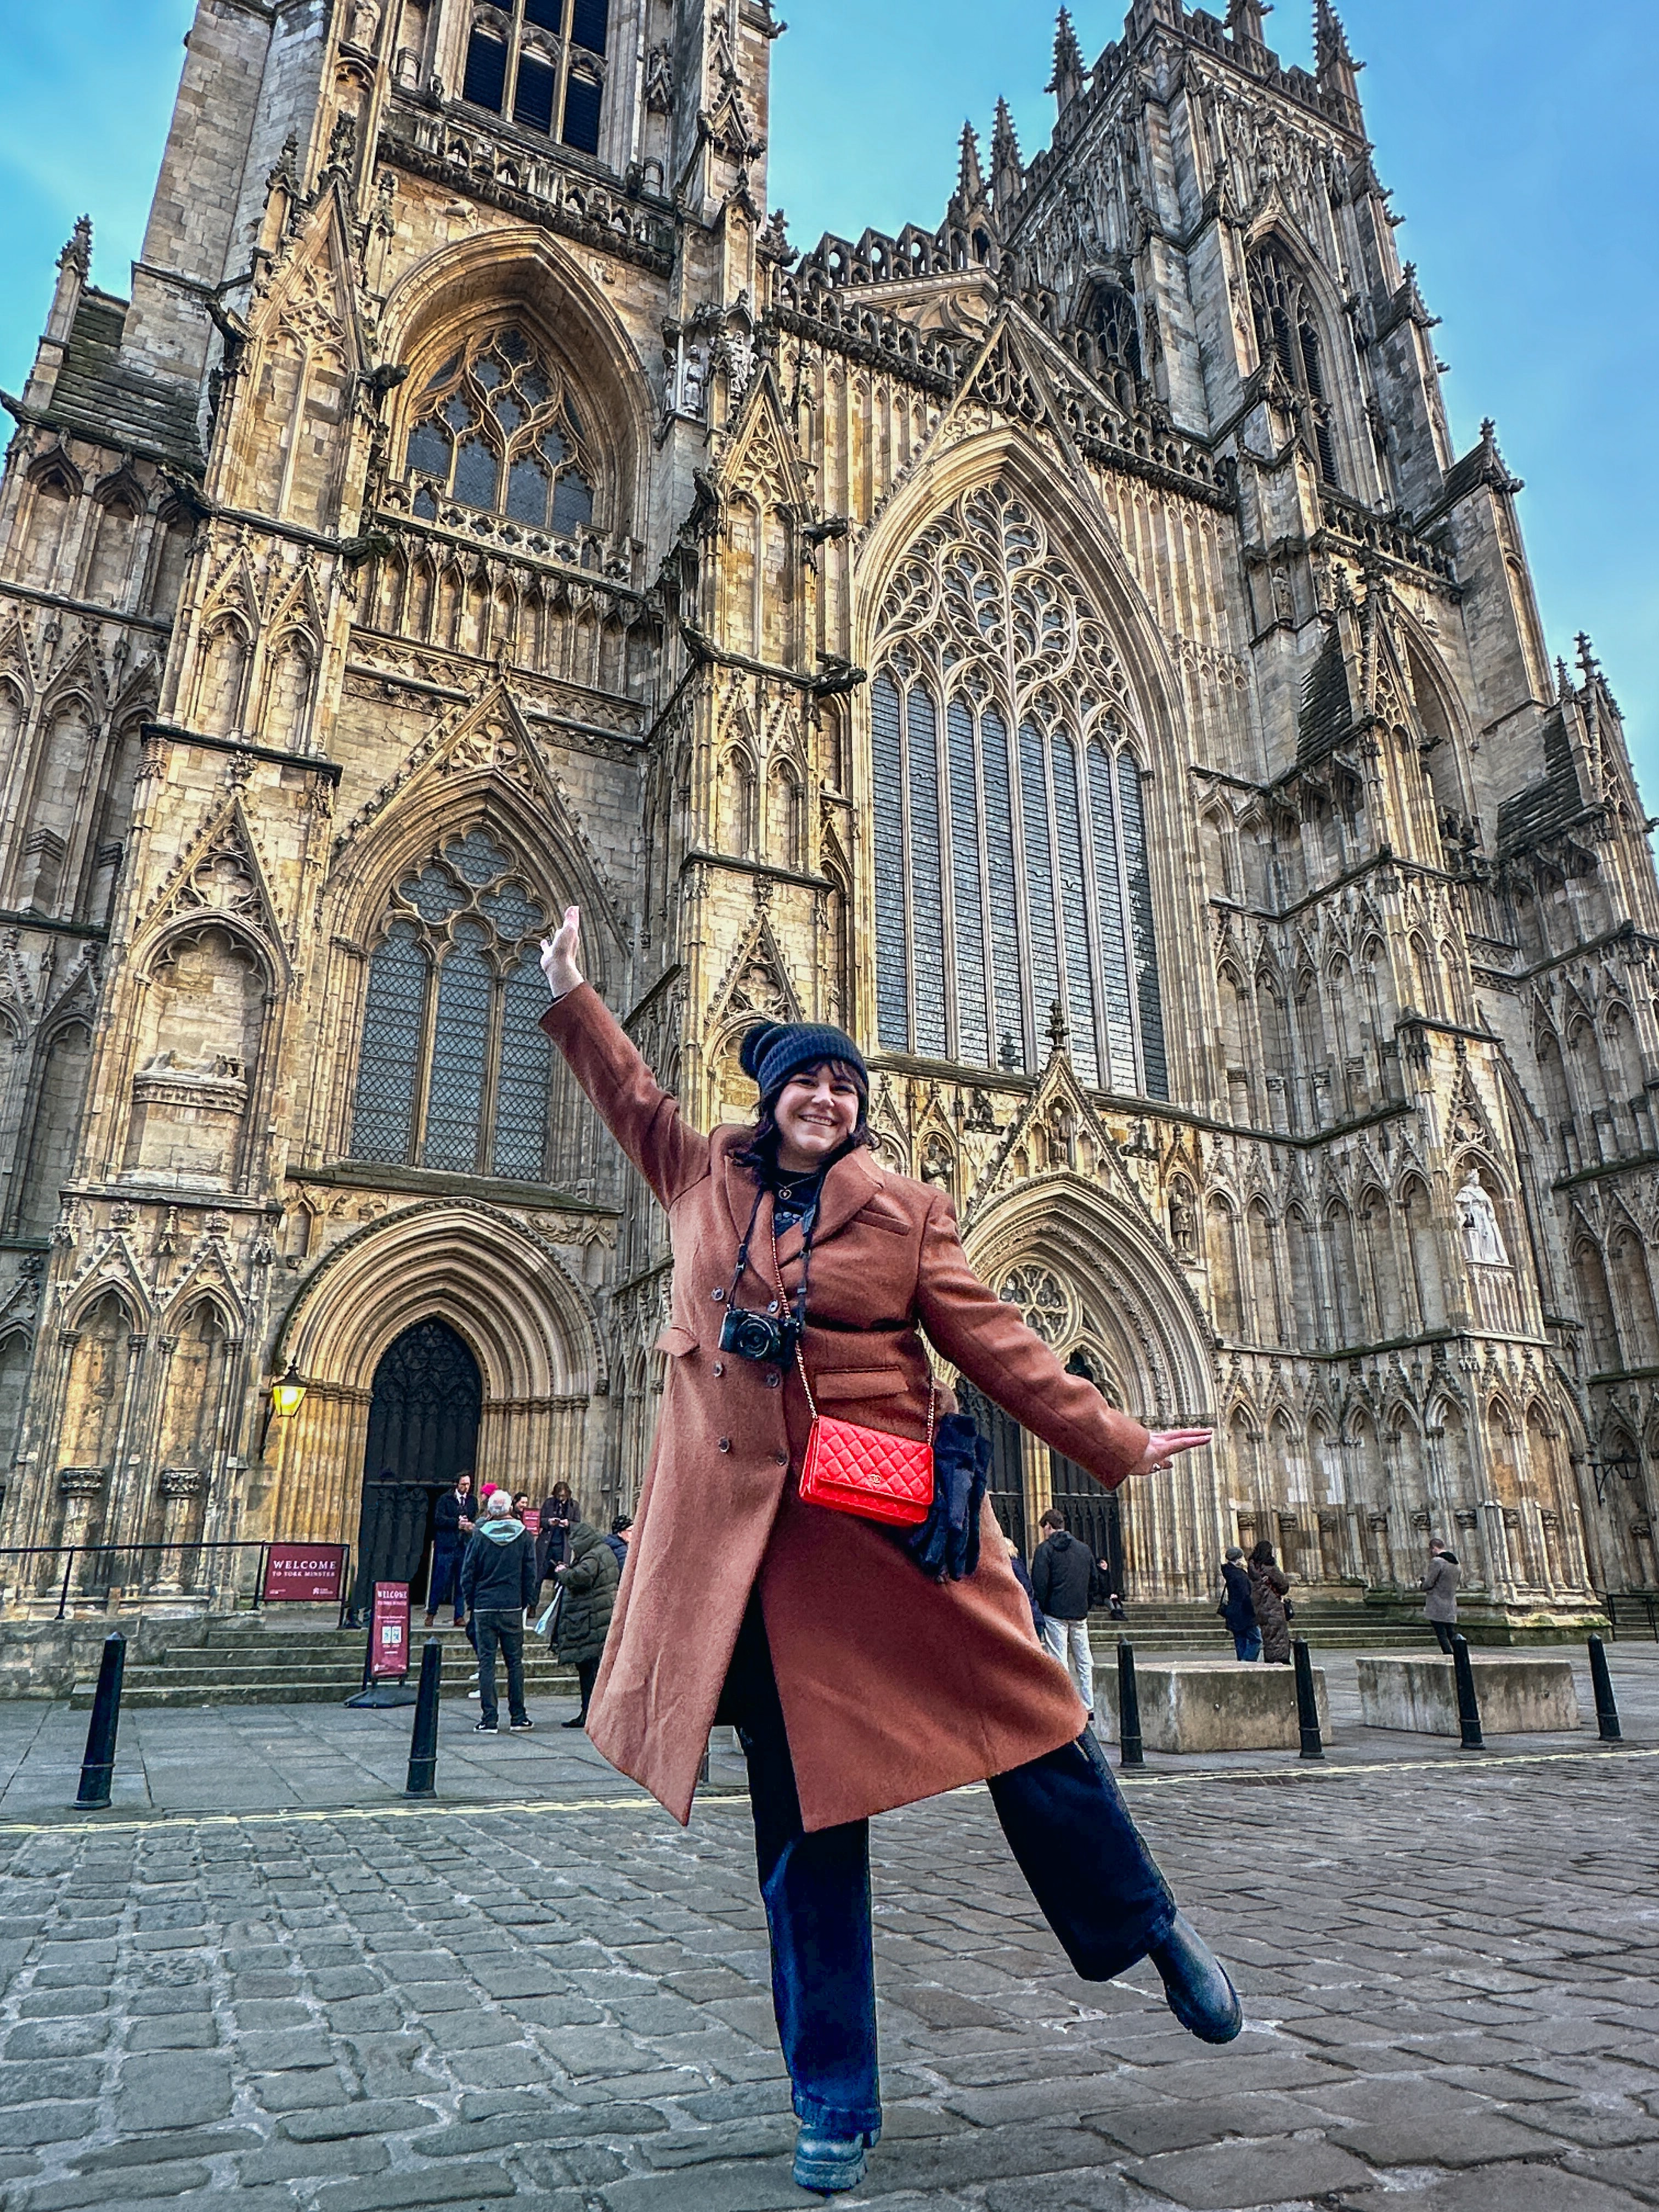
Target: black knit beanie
x=774 y=1051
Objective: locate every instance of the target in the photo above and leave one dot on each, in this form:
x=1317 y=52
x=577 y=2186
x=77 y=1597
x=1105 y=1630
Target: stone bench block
x=1517 y=1696
x=1210 y=1704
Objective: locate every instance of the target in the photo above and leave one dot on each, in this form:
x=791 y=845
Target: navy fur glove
x=946 y=1547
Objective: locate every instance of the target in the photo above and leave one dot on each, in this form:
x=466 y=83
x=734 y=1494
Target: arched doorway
x=1093 y=1516
x=423 y=1431
x=1007 y=1485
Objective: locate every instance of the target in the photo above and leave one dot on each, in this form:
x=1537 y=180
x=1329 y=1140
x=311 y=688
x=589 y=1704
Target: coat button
x=773 y=1380
x=782 y=1458
x=717 y=1368
x=718 y=1297
x=725 y=1443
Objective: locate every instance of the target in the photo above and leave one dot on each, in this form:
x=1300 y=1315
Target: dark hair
x=760 y=1152
x=518 y=1494
x=1262 y=1556
x=622 y=1523
x=559 y=1492
x=1052 y=1519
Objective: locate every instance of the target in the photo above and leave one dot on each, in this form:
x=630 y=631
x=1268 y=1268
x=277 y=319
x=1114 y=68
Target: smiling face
x=817 y=1111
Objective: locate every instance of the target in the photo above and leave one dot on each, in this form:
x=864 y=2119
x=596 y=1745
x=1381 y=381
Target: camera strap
x=742 y=1268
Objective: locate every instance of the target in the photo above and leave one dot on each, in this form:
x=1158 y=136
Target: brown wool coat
x=893 y=1687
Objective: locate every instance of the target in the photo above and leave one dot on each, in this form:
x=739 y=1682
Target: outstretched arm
x=987 y=1340
x=633 y=1105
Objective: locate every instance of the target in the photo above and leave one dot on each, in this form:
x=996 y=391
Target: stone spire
x=1067 y=82
x=1244 y=21
x=1338 y=71
x=970 y=174
x=1007 y=170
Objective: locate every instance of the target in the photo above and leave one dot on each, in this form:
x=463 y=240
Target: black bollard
x=1468 y=1706
x=424 y=1741
x=98 y=1764
x=1606 y=1711
x=1307 y=1704
x=1130 y=1750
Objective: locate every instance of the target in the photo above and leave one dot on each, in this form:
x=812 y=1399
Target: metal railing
x=118 y=1566
x=1633 y=1613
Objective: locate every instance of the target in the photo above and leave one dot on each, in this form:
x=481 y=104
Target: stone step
x=151 y=1686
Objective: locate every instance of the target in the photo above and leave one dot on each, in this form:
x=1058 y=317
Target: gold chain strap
x=805 y=1384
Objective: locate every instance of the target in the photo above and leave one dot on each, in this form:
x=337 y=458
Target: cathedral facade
x=1062 y=645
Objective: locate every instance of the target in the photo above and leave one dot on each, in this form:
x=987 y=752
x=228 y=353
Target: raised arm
x=987 y=1340
x=633 y=1105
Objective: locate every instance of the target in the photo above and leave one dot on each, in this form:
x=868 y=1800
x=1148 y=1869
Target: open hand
x=1163 y=1445
x=559 y=954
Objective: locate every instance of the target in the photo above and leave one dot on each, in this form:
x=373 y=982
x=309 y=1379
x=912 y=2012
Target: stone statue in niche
x=1183 y=1222
x=365 y=25
x=1483 y=1240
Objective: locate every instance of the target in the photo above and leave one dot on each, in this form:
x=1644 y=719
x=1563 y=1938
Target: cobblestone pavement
x=1449 y=1966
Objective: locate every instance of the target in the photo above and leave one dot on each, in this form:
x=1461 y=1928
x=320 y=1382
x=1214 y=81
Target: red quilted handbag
x=865 y=1471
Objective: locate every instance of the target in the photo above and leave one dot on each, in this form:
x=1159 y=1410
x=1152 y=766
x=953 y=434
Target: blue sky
x=1518 y=138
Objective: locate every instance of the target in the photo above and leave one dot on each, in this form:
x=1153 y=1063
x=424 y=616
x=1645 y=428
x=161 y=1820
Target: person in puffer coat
x=589 y=1579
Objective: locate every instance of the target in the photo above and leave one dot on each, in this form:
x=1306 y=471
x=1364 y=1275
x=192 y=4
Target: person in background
x=589 y=1579
x=1062 y=1574
x=1024 y=1579
x=498 y=1581
x=617 y=1539
x=1269 y=1588
x=553 y=1538
x=1238 y=1606
x=452 y=1526
x=1440 y=1593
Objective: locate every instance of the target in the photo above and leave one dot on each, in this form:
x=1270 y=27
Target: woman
x=588 y=1579
x=1269 y=1588
x=558 y=1511
x=856 y=1683
x=1238 y=1606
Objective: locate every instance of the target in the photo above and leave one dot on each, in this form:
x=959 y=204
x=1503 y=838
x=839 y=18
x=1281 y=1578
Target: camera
x=759 y=1335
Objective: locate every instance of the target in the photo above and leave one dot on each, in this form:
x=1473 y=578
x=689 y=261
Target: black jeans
x=493 y=1627
x=587 y=1673
x=1444 y=1630
x=445 y=1586
x=1066 y=1824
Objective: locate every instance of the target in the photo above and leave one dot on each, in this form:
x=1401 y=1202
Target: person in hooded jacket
x=1062 y=1574
x=498 y=1581
x=589 y=1579
x=1238 y=1605
x=1269 y=1588
x=1440 y=1593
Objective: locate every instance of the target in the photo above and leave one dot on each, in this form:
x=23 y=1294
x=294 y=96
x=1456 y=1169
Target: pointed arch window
x=542 y=62
x=454 y=1072
x=1012 y=875
x=1287 y=331
x=500 y=429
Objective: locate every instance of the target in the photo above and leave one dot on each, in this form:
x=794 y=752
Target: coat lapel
x=846 y=1188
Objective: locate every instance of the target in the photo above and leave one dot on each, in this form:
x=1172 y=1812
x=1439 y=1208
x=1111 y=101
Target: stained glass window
x=1074 y=901
x=1114 y=948
x=383 y=1125
x=1042 y=956
x=454 y=1071
x=522 y=71
x=973 y=1017
x=1008 y=1042
x=497 y=432
x=1010 y=876
x=926 y=888
x=892 y=959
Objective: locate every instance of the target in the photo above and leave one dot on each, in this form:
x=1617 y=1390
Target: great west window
x=542 y=62
x=1012 y=871
x=454 y=1069
x=498 y=428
